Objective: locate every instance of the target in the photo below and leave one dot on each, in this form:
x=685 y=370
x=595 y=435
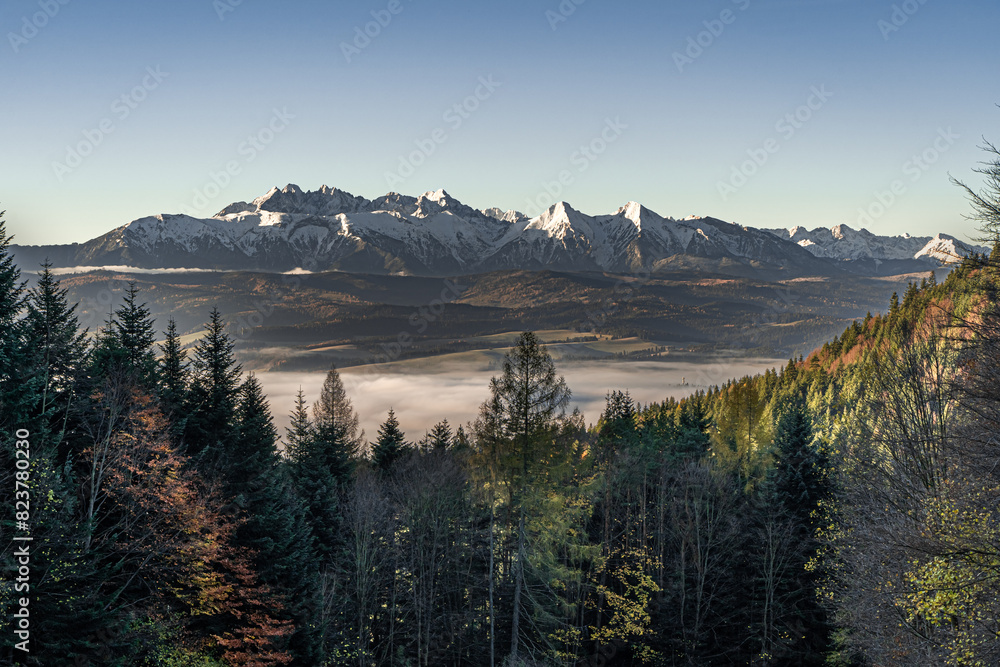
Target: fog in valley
x=455 y=391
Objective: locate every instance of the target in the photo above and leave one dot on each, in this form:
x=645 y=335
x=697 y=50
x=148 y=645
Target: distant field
x=312 y=321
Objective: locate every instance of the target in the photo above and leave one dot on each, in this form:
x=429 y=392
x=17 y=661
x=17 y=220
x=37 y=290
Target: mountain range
x=437 y=235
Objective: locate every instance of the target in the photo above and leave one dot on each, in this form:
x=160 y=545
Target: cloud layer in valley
x=455 y=393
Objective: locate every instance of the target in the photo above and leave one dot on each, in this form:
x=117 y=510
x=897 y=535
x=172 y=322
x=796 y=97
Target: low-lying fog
x=455 y=393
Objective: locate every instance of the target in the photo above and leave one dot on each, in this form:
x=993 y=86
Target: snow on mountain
x=844 y=243
x=947 y=249
x=436 y=234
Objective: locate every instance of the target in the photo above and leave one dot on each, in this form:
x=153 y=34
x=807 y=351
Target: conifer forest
x=843 y=509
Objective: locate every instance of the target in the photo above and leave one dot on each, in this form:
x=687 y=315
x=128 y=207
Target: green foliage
x=212 y=400
x=135 y=333
x=390 y=446
x=440 y=437
x=842 y=505
x=173 y=374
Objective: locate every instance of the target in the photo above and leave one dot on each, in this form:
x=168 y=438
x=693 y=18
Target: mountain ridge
x=435 y=234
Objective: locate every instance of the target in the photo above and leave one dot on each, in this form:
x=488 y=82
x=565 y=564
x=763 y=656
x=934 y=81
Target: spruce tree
x=616 y=429
x=173 y=376
x=322 y=463
x=390 y=446
x=796 y=488
x=440 y=437
x=300 y=433
x=250 y=466
x=65 y=606
x=16 y=383
x=58 y=349
x=212 y=400
x=135 y=331
x=274 y=527
x=693 y=424
x=799 y=477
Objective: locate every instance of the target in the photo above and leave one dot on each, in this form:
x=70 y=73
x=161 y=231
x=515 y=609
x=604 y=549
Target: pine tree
x=439 y=439
x=212 y=399
x=173 y=373
x=795 y=490
x=390 y=446
x=616 y=429
x=58 y=349
x=274 y=527
x=16 y=385
x=134 y=329
x=322 y=463
x=300 y=433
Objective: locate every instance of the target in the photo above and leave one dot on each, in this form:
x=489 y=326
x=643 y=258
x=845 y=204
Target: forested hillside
x=840 y=510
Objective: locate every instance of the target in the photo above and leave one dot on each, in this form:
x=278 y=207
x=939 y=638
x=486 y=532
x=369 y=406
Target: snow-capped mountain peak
x=841 y=242
x=436 y=234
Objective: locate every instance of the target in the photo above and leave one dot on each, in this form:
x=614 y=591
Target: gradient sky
x=894 y=94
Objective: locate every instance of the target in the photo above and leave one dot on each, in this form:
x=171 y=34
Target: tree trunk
x=518 y=586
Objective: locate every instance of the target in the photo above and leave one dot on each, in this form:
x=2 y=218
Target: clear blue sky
x=688 y=126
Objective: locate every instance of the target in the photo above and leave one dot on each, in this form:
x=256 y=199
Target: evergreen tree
x=274 y=527
x=461 y=441
x=617 y=429
x=134 y=329
x=799 y=476
x=390 y=446
x=693 y=425
x=107 y=357
x=322 y=457
x=212 y=399
x=526 y=404
x=300 y=433
x=65 y=608
x=173 y=373
x=336 y=442
x=440 y=438
x=58 y=349
x=251 y=466
x=796 y=487
x=16 y=383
